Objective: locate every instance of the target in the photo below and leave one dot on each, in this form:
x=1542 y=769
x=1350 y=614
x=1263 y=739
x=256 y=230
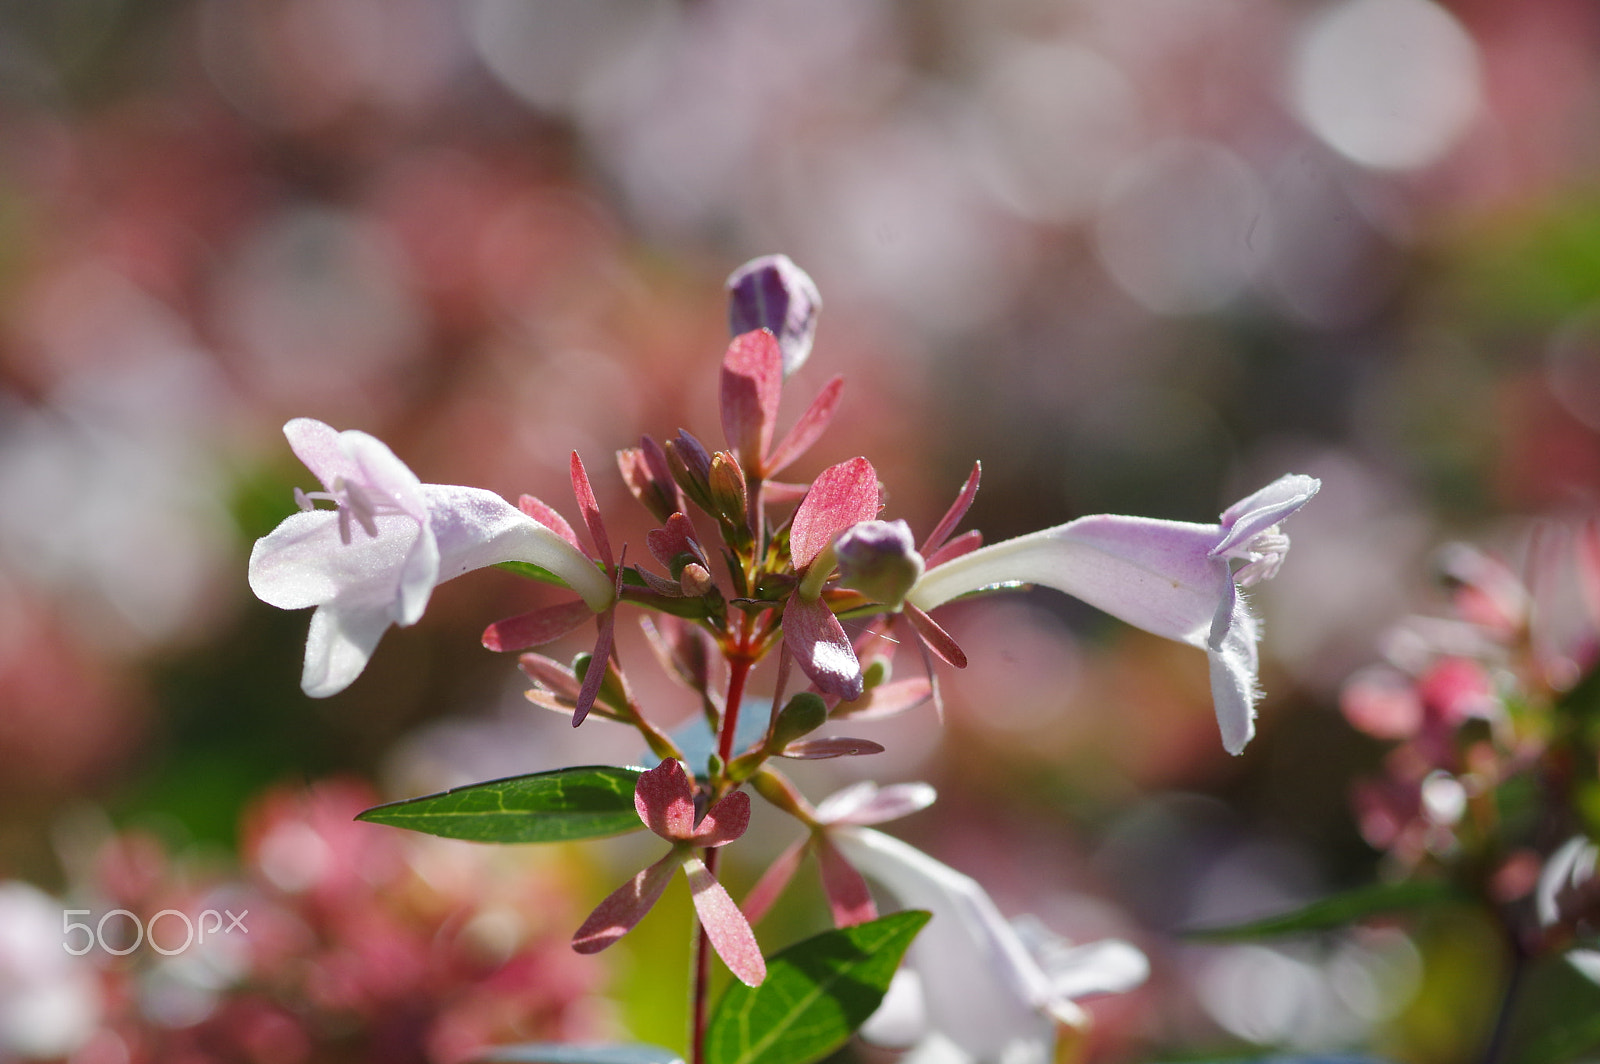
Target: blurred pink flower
x=414 y=537
x=1171 y=578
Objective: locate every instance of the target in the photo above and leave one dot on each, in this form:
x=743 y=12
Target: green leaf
x=1328 y=913
x=557 y=1053
x=817 y=992
x=586 y=802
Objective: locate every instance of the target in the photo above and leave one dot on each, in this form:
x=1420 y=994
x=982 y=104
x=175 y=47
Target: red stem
x=739 y=663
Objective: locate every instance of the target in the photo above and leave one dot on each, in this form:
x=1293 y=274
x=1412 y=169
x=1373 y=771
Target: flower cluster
x=376 y=945
x=747 y=566
x=1491 y=783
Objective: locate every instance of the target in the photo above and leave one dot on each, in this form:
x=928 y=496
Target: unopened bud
x=690 y=463
x=729 y=497
x=649 y=477
x=772 y=293
x=695 y=580
x=804 y=713
x=880 y=560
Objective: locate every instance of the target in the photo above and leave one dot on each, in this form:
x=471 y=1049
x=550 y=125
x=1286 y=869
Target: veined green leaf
x=817 y=992
x=585 y=802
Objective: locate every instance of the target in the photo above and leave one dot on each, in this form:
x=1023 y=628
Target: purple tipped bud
x=772 y=293
x=879 y=559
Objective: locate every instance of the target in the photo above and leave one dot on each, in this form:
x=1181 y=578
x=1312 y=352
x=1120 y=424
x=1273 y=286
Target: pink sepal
x=536 y=628
x=834 y=746
x=952 y=517
x=821 y=649
x=752 y=383
x=664 y=799
x=935 y=638
x=625 y=906
x=841 y=496
x=812 y=424
x=724 y=822
x=547 y=516
x=591 y=510
x=554 y=675
x=773 y=881
x=889 y=699
x=848 y=897
x=965 y=543
x=725 y=925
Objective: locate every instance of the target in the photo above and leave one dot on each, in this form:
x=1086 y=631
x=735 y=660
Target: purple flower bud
x=772 y=293
x=879 y=559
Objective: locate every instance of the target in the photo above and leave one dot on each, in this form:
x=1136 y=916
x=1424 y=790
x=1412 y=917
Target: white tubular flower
x=1171 y=578
x=993 y=990
x=374 y=559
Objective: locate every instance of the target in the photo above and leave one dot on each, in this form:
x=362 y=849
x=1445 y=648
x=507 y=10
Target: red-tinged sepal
x=674 y=544
x=840 y=496
x=660 y=584
x=952 y=517
x=547 y=516
x=808 y=430
x=685 y=650
x=887 y=700
x=725 y=925
x=536 y=628
x=664 y=799
x=936 y=638
x=625 y=906
x=821 y=649
x=596 y=674
x=833 y=746
x=770 y=887
x=752 y=383
x=778 y=492
x=965 y=543
x=723 y=822
x=848 y=897
x=591 y=511
x=550 y=674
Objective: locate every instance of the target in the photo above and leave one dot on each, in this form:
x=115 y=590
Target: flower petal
x=1231 y=649
x=339 y=644
x=316 y=444
x=821 y=649
x=982 y=988
x=1156 y=575
x=625 y=906
x=725 y=925
x=475 y=528
x=840 y=496
x=1259 y=511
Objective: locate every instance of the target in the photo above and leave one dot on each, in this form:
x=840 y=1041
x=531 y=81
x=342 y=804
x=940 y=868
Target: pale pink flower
x=374 y=559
